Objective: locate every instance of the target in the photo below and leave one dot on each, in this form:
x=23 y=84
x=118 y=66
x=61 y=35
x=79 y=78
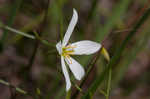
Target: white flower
x=84 y=47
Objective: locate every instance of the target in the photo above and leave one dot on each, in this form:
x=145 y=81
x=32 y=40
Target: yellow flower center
x=67 y=51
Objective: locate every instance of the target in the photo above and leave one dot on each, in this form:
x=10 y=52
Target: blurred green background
x=121 y=26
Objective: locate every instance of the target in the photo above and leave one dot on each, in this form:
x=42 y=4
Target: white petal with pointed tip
x=65 y=72
x=59 y=47
x=70 y=29
x=85 y=47
x=76 y=68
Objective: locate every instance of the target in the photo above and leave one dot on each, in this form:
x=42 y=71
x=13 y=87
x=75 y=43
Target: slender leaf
x=13 y=13
x=116 y=56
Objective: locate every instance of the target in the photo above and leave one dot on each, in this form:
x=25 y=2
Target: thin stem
x=16 y=88
x=12 y=16
x=42 y=40
x=35 y=49
x=117 y=54
x=45 y=42
x=78 y=87
x=109 y=83
x=19 y=32
x=90 y=68
x=124 y=30
x=102 y=92
x=93 y=9
x=68 y=94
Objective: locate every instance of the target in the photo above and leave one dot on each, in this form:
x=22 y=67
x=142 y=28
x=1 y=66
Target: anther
x=69 y=59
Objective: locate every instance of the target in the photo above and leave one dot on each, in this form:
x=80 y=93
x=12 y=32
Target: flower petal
x=75 y=67
x=65 y=72
x=85 y=47
x=70 y=29
x=59 y=47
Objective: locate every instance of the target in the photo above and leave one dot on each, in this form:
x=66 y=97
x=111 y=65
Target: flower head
x=65 y=50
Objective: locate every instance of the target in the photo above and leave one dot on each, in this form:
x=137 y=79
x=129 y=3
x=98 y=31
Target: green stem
x=90 y=68
x=102 y=92
x=117 y=55
x=8 y=28
x=16 y=88
x=26 y=35
x=109 y=83
x=68 y=94
x=42 y=41
x=19 y=32
x=12 y=16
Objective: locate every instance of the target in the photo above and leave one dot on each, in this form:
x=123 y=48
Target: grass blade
x=13 y=13
x=116 y=56
x=116 y=14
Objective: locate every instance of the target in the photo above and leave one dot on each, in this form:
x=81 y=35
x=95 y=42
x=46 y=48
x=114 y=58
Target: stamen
x=71 y=46
x=68 y=50
x=69 y=59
